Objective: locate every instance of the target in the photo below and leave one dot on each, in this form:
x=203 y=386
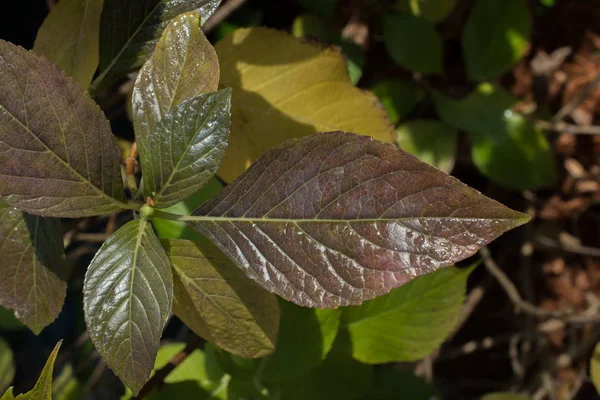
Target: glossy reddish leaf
x=336 y=219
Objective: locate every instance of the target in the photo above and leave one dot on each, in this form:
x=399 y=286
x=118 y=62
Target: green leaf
x=409 y=322
x=66 y=386
x=186 y=148
x=300 y=89
x=183 y=66
x=322 y=7
x=595 y=367
x=338 y=377
x=43 y=388
x=505 y=396
x=496 y=36
x=505 y=146
x=69 y=37
x=336 y=219
x=215 y=299
x=387 y=384
x=311 y=25
x=413 y=43
x=127 y=297
x=191 y=379
x=432 y=142
x=33 y=277
x=130 y=29
x=8 y=321
x=7 y=365
x=432 y=10
x=58 y=157
x=398 y=97
x=305 y=338
x=166 y=229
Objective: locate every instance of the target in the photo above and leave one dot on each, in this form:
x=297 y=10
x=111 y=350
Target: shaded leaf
x=7 y=365
x=183 y=66
x=58 y=157
x=337 y=377
x=336 y=219
x=297 y=90
x=496 y=36
x=505 y=396
x=185 y=150
x=219 y=303
x=505 y=146
x=431 y=10
x=305 y=338
x=432 y=142
x=387 y=384
x=69 y=37
x=130 y=29
x=322 y=7
x=128 y=293
x=167 y=229
x=595 y=367
x=409 y=322
x=43 y=387
x=33 y=277
x=413 y=43
x=398 y=97
x=66 y=386
x=8 y=321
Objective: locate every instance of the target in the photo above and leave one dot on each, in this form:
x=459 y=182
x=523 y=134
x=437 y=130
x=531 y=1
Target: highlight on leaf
x=336 y=219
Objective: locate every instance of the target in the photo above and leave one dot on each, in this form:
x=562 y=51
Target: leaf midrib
x=349 y=220
x=66 y=164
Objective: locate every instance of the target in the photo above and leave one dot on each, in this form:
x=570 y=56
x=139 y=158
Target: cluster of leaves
x=322 y=220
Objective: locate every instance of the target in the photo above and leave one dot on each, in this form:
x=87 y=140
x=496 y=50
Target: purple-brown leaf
x=336 y=219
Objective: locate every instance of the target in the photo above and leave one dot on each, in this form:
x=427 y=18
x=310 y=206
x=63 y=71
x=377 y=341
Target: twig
x=576 y=100
x=568 y=128
x=159 y=377
x=130 y=169
x=571 y=248
x=221 y=14
x=513 y=293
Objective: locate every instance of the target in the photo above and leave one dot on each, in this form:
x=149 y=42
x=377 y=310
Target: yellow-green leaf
x=7 y=365
x=183 y=66
x=43 y=388
x=33 y=277
x=595 y=367
x=285 y=88
x=69 y=37
x=219 y=303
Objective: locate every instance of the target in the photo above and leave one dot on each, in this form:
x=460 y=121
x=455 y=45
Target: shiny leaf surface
x=69 y=37
x=58 y=156
x=297 y=90
x=409 y=322
x=336 y=219
x=33 y=277
x=184 y=65
x=506 y=147
x=128 y=293
x=186 y=148
x=130 y=29
x=495 y=37
x=219 y=303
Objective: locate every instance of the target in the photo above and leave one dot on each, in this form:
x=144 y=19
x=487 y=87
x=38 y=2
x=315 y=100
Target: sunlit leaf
x=43 y=388
x=58 y=156
x=388 y=383
x=297 y=90
x=128 y=293
x=7 y=365
x=495 y=37
x=505 y=396
x=131 y=28
x=185 y=149
x=409 y=322
x=506 y=147
x=336 y=219
x=595 y=367
x=167 y=229
x=33 y=277
x=219 y=303
x=398 y=97
x=432 y=142
x=69 y=37
x=339 y=376
x=183 y=66
x=305 y=338
x=413 y=43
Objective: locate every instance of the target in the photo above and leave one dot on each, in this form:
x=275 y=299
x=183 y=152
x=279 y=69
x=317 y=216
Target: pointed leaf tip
x=335 y=219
